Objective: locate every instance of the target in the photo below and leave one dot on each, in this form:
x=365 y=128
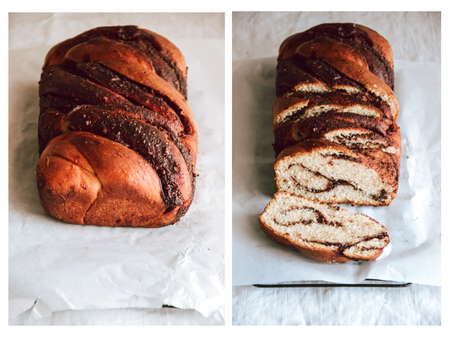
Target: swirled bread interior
x=322 y=232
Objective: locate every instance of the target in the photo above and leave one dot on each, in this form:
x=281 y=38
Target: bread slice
x=330 y=173
x=322 y=232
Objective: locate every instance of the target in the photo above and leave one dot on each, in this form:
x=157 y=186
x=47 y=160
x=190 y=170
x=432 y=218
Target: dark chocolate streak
x=341 y=247
x=164 y=66
x=132 y=91
x=377 y=134
x=143 y=115
x=371 y=139
x=342 y=157
x=328 y=74
x=320 y=218
x=333 y=183
x=323 y=124
x=62 y=90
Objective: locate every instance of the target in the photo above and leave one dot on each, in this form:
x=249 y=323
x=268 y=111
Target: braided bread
x=336 y=137
x=336 y=141
x=117 y=139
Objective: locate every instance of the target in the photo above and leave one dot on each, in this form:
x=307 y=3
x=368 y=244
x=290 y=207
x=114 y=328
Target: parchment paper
x=55 y=266
x=412 y=220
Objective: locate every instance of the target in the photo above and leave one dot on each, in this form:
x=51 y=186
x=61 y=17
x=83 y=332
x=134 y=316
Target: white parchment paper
x=55 y=266
x=413 y=218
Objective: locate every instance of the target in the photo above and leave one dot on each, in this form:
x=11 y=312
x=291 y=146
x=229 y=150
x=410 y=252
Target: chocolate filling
x=318 y=127
x=328 y=74
x=340 y=247
x=325 y=123
x=132 y=91
x=57 y=83
x=342 y=157
x=319 y=218
x=381 y=196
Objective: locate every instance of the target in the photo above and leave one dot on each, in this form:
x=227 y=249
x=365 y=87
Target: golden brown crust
x=102 y=49
x=87 y=179
x=325 y=47
x=308 y=147
x=379 y=43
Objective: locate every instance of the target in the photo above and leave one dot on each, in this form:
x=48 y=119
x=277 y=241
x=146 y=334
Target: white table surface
x=413 y=37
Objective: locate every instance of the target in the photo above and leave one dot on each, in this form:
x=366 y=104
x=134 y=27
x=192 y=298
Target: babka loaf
x=117 y=139
x=334 y=118
x=322 y=232
x=336 y=141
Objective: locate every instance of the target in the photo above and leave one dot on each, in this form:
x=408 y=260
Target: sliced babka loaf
x=334 y=116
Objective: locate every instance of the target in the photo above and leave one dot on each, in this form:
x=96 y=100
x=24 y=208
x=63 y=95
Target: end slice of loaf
x=321 y=232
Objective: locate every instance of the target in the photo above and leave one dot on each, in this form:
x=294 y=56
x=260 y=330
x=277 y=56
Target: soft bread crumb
x=319 y=175
x=314 y=226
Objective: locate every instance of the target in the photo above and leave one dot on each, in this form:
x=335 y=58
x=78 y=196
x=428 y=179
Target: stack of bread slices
x=336 y=141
